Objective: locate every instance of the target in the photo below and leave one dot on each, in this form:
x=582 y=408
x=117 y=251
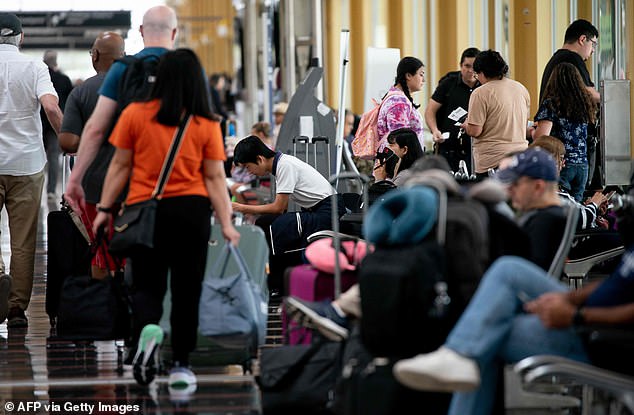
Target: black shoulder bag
x=134 y=227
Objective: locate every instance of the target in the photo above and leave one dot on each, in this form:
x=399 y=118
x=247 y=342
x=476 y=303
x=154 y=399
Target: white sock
x=338 y=310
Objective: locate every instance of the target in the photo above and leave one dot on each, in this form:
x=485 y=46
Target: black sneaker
x=145 y=363
x=17 y=318
x=321 y=315
x=5 y=290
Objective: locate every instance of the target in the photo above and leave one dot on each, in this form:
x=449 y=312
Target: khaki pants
x=22 y=196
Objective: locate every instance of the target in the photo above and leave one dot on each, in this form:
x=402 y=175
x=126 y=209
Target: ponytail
x=407 y=65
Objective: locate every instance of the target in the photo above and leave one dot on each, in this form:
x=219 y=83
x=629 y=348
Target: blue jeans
x=573 y=177
x=494 y=328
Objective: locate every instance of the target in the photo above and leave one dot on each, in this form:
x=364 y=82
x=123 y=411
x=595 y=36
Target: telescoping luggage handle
x=302 y=139
x=336 y=240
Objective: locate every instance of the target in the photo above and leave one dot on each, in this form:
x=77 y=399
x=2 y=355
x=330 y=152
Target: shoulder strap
x=392 y=93
x=168 y=163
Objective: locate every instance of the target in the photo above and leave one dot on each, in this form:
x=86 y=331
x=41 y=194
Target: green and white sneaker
x=146 y=359
x=181 y=384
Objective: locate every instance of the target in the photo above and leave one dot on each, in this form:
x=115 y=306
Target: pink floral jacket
x=397 y=112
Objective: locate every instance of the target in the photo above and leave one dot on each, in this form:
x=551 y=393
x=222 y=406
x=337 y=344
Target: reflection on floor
x=39 y=374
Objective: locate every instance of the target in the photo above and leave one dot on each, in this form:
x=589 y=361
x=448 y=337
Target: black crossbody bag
x=134 y=227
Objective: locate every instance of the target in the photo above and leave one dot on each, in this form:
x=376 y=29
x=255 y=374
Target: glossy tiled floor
x=39 y=374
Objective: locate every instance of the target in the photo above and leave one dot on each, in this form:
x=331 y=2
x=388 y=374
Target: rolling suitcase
x=308 y=283
x=323 y=168
x=238 y=349
x=68 y=249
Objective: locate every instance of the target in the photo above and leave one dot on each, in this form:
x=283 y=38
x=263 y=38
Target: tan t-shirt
x=501 y=107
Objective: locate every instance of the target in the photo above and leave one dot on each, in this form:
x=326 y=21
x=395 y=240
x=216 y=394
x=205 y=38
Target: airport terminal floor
x=39 y=374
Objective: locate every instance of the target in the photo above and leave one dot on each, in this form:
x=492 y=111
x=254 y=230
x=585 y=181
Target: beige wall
x=207 y=28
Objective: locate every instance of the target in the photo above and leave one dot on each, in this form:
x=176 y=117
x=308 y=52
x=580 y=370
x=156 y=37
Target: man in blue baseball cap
x=532 y=178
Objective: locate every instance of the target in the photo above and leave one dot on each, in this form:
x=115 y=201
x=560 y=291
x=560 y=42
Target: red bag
x=366 y=140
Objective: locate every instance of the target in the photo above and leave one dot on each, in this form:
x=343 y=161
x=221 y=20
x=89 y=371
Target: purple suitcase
x=308 y=283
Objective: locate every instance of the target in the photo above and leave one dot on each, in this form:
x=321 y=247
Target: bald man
x=158 y=30
x=81 y=103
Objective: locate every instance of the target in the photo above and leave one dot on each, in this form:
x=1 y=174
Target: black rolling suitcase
x=68 y=249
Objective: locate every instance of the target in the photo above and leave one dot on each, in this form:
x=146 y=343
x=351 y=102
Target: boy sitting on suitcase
x=286 y=231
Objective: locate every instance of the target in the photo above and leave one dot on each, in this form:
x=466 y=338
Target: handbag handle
x=168 y=163
x=220 y=266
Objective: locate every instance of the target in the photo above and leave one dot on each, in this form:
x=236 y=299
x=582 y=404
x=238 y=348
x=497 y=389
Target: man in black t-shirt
x=580 y=42
x=453 y=91
x=533 y=186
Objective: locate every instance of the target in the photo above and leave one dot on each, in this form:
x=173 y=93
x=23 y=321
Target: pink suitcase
x=308 y=283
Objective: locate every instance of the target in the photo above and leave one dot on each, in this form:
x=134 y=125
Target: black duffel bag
x=299 y=379
x=94 y=309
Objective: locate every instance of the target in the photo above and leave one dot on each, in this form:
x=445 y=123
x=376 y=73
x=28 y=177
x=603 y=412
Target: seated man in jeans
x=286 y=232
x=497 y=326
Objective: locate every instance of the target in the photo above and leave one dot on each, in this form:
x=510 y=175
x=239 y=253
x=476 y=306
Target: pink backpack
x=366 y=141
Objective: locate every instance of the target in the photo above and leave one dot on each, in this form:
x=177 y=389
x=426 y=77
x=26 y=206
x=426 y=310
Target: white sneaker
x=181 y=384
x=443 y=370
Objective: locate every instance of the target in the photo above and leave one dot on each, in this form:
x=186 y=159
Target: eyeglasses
x=91 y=51
x=594 y=44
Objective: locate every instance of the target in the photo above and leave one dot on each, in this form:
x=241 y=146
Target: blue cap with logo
x=534 y=163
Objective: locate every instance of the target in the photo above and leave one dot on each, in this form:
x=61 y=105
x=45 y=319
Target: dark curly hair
x=407 y=65
x=491 y=64
x=568 y=94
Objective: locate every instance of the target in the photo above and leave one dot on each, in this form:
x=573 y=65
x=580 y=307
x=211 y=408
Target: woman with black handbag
x=171 y=152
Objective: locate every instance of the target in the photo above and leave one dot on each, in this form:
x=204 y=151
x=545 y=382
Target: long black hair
x=406 y=137
x=180 y=86
x=407 y=65
x=568 y=94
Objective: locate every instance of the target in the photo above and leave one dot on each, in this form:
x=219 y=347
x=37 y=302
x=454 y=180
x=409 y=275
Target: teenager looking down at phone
x=587 y=211
x=405 y=145
x=286 y=232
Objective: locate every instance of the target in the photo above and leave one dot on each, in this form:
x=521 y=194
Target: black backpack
x=378 y=189
x=403 y=293
x=137 y=80
x=412 y=295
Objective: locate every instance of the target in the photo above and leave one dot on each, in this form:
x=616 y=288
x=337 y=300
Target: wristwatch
x=104 y=209
x=578 y=319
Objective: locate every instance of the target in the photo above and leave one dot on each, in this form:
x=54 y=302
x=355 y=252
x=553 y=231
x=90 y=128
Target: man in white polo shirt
x=25 y=86
x=296 y=180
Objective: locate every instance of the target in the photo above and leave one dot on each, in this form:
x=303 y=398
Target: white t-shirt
x=305 y=185
x=23 y=81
